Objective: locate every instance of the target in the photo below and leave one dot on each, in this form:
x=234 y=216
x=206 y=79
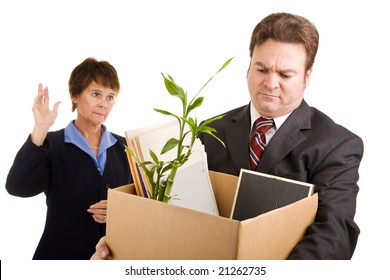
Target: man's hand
x=102 y=252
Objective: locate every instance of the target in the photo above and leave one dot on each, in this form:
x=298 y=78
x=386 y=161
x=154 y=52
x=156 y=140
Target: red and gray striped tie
x=258 y=141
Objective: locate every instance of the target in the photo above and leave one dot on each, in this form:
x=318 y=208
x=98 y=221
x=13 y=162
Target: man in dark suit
x=303 y=143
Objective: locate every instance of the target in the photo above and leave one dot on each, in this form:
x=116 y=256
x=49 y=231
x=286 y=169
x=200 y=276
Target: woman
x=73 y=166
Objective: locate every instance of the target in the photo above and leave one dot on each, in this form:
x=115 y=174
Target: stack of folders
x=192 y=186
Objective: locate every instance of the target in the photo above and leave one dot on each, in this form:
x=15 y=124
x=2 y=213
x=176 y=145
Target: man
x=301 y=143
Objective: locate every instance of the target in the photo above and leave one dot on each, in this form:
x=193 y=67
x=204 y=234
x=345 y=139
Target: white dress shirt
x=271 y=132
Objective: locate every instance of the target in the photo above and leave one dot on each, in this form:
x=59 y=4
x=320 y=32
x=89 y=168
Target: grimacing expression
x=277 y=78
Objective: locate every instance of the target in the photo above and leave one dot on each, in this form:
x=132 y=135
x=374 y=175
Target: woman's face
x=94 y=104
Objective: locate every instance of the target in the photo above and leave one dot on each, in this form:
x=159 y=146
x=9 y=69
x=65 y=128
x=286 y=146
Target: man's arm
x=334 y=233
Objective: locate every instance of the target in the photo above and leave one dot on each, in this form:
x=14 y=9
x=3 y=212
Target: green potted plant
x=161 y=174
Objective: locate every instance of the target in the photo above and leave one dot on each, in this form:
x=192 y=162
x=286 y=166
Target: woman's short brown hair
x=102 y=72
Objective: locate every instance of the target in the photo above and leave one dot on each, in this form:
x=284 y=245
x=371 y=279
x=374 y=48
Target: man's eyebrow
x=288 y=71
x=284 y=71
x=258 y=63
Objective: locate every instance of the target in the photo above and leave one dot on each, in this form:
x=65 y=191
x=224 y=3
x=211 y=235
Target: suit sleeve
x=334 y=233
x=29 y=174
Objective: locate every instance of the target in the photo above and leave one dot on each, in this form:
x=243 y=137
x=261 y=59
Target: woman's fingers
x=99 y=211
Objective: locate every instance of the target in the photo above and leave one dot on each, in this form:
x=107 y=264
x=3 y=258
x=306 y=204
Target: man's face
x=277 y=78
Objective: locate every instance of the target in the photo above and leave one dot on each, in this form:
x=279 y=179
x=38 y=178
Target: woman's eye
x=111 y=98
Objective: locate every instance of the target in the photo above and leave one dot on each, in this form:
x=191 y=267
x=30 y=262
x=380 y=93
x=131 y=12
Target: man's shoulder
x=324 y=127
x=232 y=114
x=238 y=110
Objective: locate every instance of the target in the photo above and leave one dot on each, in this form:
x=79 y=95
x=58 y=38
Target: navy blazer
x=71 y=183
x=308 y=147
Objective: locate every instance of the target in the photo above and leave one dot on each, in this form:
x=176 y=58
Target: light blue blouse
x=73 y=136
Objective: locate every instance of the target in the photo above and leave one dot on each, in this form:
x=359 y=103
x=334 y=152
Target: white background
x=42 y=41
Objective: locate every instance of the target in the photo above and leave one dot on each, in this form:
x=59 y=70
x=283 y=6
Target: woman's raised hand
x=43 y=116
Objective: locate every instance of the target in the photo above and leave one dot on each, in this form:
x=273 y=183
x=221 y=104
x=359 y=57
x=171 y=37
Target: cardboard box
x=140 y=228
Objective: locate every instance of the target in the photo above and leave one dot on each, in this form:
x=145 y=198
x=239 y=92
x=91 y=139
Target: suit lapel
x=287 y=137
x=237 y=138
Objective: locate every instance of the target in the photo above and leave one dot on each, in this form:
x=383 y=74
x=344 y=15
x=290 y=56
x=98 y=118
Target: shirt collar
x=73 y=135
x=278 y=121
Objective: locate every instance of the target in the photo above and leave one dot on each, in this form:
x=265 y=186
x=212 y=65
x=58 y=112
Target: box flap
x=274 y=234
x=224 y=186
x=140 y=228
x=127 y=189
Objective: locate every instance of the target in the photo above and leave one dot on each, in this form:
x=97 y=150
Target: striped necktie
x=258 y=141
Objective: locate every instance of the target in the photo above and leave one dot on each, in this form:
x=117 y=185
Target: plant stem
x=170 y=180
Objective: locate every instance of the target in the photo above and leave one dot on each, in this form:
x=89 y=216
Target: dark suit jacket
x=71 y=183
x=308 y=147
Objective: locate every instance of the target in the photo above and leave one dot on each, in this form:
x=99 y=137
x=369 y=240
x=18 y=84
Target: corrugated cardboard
x=140 y=228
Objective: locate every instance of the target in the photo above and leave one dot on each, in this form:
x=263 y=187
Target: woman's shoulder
x=58 y=134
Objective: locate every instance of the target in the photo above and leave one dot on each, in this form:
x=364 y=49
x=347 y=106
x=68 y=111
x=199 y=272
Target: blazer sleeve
x=29 y=174
x=334 y=234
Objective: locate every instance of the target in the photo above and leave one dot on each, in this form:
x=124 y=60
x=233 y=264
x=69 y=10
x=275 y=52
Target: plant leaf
x=167 y=113
x=195 y=103
x=166 y=168
x=154 y=156
x=164 y=112
x=207 y=128
x=207 y=122
x=173 y=88
x=215 y=136
x=191 y=123
x=220 y=69
x=171 y=143
x=145 y=164
x=225 y=64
